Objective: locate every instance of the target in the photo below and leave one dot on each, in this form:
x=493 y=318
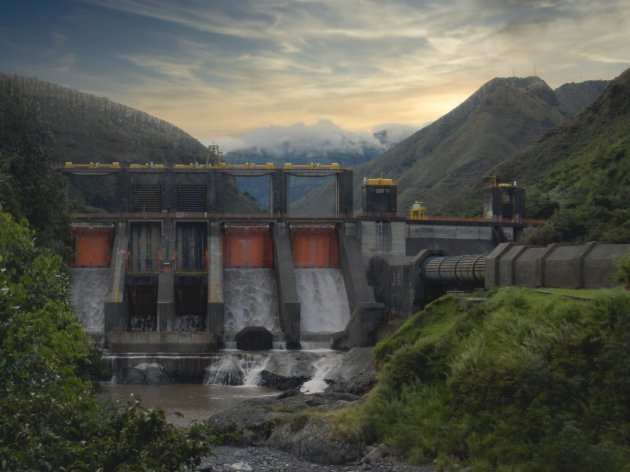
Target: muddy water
x=193 y=401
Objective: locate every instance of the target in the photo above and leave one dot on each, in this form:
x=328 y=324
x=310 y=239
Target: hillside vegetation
x=86 y=128
x=28 y=188
x=579 y=173
x=520 y=382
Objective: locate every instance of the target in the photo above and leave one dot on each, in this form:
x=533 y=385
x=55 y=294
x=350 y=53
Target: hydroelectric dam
x=161 y=273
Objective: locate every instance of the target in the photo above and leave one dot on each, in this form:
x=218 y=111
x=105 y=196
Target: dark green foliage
x=28 y=187
x=622 y=274
x=87 y=128
x=49 y=416
x=519 y=382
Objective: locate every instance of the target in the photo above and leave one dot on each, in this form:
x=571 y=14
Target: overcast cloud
x=223 y=68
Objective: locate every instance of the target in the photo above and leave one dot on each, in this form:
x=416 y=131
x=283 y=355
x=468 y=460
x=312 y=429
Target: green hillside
x=517 y=382
x=85 y=128
x=582 y=169
x=575 y=97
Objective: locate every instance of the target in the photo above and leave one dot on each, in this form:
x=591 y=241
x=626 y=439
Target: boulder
x=280 y=382
x=310 y=438
x=356 y=373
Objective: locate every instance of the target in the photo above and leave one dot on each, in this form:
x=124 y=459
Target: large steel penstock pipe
x=465 y=270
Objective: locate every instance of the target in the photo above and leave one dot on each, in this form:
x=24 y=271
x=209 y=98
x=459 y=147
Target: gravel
x=265 y=459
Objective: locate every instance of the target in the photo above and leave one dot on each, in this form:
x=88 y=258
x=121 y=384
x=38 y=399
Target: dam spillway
x=322 y=295
x=251 y=299
x=88 y=293
x=320 y=286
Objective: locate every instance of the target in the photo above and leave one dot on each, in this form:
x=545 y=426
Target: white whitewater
x=235 y=368
x=323 y=299
x=250 y=300
x=88 y=293
x=322 y=367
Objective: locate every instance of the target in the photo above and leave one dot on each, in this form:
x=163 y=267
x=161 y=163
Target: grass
x=522 y=381
x=577 y=292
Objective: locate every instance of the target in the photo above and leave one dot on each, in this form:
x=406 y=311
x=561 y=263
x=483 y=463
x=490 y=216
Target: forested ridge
x=86 y=128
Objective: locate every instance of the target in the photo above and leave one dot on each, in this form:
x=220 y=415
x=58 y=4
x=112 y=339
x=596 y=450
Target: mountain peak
x=615 y=100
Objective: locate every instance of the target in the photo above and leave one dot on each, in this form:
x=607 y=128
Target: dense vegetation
x=519 y=382
x=87 y=128
x=50 y=418
x=28 y=189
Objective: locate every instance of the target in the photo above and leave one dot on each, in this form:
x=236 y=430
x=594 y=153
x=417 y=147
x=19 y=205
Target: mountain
x=447 y=157
x=575 y=97
x=67 y=125
x=87 y=128
x=582 y=170
x=435 y=163
x=322 y=142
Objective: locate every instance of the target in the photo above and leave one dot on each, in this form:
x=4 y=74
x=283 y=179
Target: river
x=193 y=401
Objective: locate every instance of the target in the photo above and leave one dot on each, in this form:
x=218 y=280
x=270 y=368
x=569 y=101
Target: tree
x=50 y=418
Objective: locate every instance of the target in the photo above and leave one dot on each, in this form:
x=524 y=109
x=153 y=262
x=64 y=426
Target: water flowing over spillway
x=250 y=299
x=88 y=293
x=235 y=368
x=323 y=299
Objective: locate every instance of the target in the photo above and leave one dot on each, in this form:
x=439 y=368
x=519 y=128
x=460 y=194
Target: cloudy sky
x=225 y=67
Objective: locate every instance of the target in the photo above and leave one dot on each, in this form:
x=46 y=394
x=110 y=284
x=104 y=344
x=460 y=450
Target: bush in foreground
x=50 y=418
x=521 y=381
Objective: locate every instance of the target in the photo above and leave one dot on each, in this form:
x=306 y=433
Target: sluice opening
x=315 y=246
x=249 y=284
x=142 y=293
x=191 y=295
x=144 y=247
x=247 y=246
x=191 y=247
x=89 y=272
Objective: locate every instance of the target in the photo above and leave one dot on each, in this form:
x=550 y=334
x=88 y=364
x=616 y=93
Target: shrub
x=520 y=382
x=50 y=418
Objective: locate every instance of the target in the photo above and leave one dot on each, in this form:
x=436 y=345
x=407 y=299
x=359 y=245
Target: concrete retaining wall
x=177 y=342
x=382 y=238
